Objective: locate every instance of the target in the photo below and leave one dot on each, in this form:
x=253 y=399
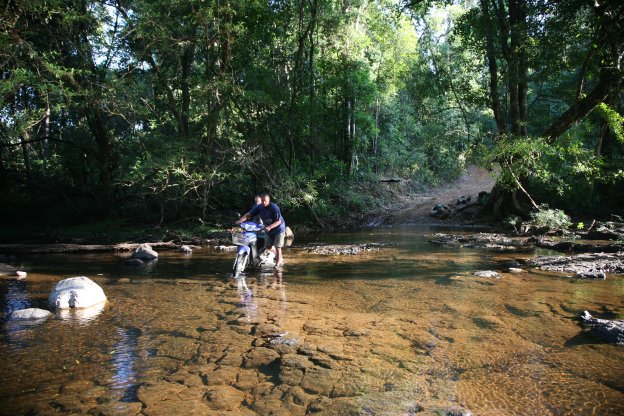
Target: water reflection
x=17 y=296
x=81 y=316
x=274 y=281
x=124 y=357
x=248 y=302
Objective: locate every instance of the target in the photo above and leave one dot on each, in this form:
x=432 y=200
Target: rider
x=274 y=225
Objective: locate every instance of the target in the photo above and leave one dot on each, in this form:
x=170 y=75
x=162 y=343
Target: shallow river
x=406 y=330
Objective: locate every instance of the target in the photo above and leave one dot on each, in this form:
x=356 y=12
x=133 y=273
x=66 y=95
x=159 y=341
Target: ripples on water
x=397 y=331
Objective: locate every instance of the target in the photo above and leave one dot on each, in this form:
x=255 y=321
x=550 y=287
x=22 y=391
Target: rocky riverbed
x=279 y=344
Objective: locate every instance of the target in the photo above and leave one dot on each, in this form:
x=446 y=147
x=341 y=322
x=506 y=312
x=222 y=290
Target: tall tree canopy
x=165 y=110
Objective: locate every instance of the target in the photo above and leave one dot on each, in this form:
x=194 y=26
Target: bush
x=553 y=219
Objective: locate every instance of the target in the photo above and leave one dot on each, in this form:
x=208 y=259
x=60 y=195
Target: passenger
x=256 y=218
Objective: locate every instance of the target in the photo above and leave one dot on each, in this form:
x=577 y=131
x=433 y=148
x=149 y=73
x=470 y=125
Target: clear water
x=403 y=330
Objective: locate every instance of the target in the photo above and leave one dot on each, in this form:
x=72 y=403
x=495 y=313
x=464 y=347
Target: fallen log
x=80 y=248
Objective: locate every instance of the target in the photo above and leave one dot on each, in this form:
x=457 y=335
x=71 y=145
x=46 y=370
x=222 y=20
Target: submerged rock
x=134 y=262
x=487 y=273
x=582 y=263
x=76 y=292
x=30 y=314
x=611 y=331
x=481 y=240
x=343 y=249
x=186 y=249
x=592 y=275
x=259 y=357
x=226 y=248
x=457 y=411
x=574 y=247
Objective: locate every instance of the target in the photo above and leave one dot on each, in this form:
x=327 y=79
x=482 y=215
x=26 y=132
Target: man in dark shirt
x=274 y=225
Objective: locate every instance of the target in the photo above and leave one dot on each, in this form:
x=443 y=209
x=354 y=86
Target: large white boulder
x=76 y=292
x=144 y=252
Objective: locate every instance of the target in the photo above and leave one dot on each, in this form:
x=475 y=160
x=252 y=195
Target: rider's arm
x=248 y=215
x=274 y=224
x=245 y=217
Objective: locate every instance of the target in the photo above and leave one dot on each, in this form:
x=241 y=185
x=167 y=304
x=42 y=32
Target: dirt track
x=415 y=208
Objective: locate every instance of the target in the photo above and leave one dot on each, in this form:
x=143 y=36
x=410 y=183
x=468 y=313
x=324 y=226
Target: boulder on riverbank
x=76 y=292
x=611 y=331
x=609 y=230
x=144 y=252
x=441 y=211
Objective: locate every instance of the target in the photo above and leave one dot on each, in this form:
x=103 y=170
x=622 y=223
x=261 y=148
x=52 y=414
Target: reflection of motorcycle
x=248 y=252
x=247 y=300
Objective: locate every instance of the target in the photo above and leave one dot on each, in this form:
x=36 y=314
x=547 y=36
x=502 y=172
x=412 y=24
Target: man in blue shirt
x=274 y=225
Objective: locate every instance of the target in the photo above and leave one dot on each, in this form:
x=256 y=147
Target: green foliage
x=552 y=219
x=178 y=109
x=614 y=120
x=519 y=157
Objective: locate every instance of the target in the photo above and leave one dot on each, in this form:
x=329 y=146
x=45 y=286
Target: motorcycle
x=248 y=252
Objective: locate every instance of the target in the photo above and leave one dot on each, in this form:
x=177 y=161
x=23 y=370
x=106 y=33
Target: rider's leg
x=278 y=256
x=279 y=243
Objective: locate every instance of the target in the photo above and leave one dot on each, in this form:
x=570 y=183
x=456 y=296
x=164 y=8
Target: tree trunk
x=25 y=154
x=186 y=61
x=46 y=134
x=608 y=83
x=502 y=203
x=521 y=33
x=517 y=67
x=97 y=124
x=495 y=104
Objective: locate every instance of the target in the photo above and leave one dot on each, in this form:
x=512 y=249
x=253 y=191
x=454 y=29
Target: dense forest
x=167 y=111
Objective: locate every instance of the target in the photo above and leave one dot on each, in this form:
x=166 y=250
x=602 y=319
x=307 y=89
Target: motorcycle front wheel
x=239 y=264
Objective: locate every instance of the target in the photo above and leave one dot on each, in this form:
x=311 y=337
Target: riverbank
x=398 y=203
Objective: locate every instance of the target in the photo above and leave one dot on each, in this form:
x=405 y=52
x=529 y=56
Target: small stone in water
x=486 y=273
